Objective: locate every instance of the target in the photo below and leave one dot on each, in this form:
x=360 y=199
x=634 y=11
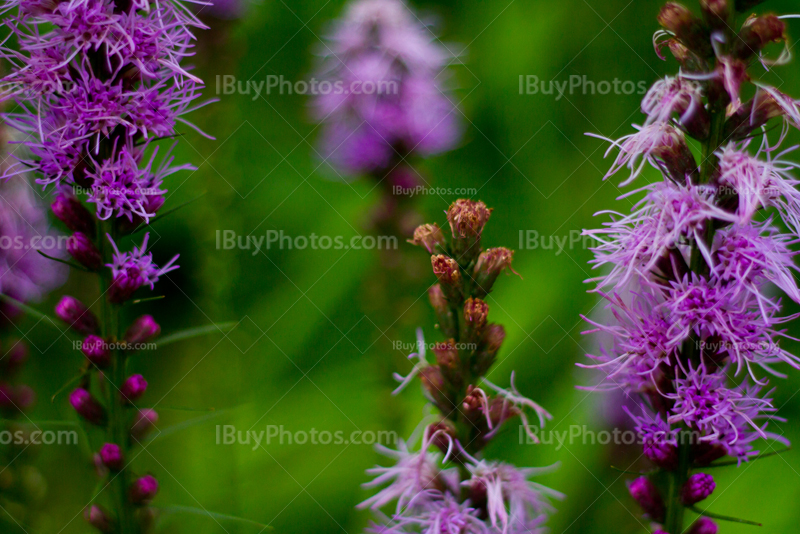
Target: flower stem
x=117 y=431
x=675 y=509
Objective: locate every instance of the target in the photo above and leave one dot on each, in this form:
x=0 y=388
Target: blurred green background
x=314 y=346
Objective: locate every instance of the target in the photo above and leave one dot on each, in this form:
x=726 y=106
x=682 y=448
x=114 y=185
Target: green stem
x=675 y=509
x=117 y=431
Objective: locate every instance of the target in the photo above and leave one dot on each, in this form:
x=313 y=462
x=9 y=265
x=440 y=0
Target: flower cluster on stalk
x=445 y=485
x=696 y=325
x=383 y=99
x=98 y=84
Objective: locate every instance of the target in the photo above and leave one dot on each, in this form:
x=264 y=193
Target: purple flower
x=387 y=99
x=136 y=268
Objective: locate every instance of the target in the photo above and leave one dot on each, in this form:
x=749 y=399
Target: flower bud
x=753 y=115
x=428 y=236
x=756 y=34
x=84 y=251
x=143 y=490
x=467 y=219
x=25 y=397
x=87 y=406
x=133 y=388
x=646 y=494
x=446 y=270
x=704 y=525
x=475 y=313
x=493 y=338
x=98 y=518
x=14 y=358
x=679 y=20
x=96 y=351
x=434 y=385
x=697 y=488
x=72 y=213
x=143 y=423
x=444 y=314
x=76 y=315
x=142 y=330
x=111 y=456
x=663 y=455
x=124 y=285
x=717 y=13
x=490 y=264
x=449 y=363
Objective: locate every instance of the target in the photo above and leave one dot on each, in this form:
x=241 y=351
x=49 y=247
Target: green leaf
x=176 y=509
x=706 y=513
x=35 y=313
x=65 y=262
x=195 y=332
x=184 y=425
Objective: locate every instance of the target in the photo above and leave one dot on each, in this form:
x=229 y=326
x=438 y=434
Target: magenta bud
x=76 y=315
x=98 y=518
x=142 y=330
x=143 y=490
x=87 y=406
x=96 y=351
x=133 y=388
x=704 y=526
x=646 y=494
x=84 y=251
x=111 y=456
x=697 y=488
x=663 y=455
x=124 y=285
x=143 y=423
x=13 y=360
x=7 y=397
x=25 y=397
x=72 y=213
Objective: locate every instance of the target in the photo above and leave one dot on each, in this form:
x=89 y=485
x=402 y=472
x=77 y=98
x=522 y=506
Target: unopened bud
x=98 y=518
x=144 y=422
x=111 y=456
x=434 y=385
x=717 y=13
x=124 y=284
x=646 y=494
x=663 y=455
x=697 y=488
x=704 y=525
x=679 y=20
x=72 y=213
x=475 y=313
x=87 y=406
x=142 y=330
x=467 y=219
x=756 y=34
x=428 y=236
x=96 y=351
x=493 y=338
x=447 y=358
x=676 y=155
x=143 y=490
x=753 y=115
x=14 y=358
x=447 y=271
x=444 y=314
x=76 y=315
x=84 y=251
x=490 y=264
x=133 y=388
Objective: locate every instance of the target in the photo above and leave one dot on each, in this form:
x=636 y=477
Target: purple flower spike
x=704 y=525
x=87 y=406
x=133 y=388
x=76 y=315
x=96 y=351
x=143 y=490
x=132 y=270
x=84 y=251
x=646 y=494
x=111 y=456
x=697 y=488
x=142 y=330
